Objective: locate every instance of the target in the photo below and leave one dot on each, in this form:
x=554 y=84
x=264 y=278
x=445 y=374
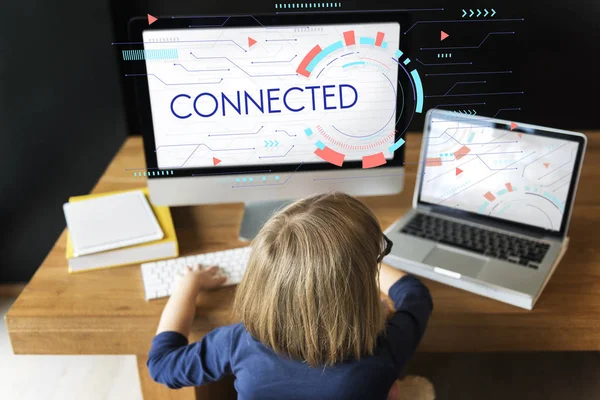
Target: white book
x=111 y=222
x=125 y=256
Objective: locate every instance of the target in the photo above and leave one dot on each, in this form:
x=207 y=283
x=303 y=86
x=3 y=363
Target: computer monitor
x=263 y=108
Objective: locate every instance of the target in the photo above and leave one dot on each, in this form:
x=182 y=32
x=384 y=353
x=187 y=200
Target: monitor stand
x=256 y=213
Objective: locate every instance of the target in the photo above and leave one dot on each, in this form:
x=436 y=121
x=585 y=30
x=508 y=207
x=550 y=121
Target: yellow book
x=167 y=247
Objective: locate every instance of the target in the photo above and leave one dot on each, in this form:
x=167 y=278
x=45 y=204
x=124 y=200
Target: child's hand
x=387 y=309
x=181 y=307
x=199 y=278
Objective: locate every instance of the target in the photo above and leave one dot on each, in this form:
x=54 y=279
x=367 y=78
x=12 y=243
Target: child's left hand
x=387 y=308
x=199 y=278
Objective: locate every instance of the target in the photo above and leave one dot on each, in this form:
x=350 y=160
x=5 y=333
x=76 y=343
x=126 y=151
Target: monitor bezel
x=139 y=24
x=525 y=129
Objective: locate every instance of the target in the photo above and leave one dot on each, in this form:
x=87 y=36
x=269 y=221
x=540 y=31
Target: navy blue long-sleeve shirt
x=262 y=374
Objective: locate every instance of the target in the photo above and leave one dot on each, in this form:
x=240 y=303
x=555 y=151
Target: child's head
x=311 y=290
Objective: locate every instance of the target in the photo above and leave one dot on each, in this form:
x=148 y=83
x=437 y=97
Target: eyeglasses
x=388 y=248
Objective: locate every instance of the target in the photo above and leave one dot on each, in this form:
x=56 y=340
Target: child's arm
x=412 y=305
x=388 y=276
x=174 y=362
x=181 y=307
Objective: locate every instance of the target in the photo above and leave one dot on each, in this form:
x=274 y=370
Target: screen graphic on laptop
x=509 y=175
x=256 y=95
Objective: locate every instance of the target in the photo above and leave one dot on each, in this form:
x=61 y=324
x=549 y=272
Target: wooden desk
x=104 y=312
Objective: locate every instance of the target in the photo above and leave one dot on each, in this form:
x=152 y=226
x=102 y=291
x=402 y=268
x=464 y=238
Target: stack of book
x=117 y=228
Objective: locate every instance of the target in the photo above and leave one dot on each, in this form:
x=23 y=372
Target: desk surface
x=104 y=312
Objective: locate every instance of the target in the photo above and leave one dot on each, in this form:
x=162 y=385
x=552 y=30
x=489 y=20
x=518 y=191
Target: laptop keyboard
x=527 y=253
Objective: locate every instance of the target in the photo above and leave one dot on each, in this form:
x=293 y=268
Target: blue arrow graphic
x=486 y=12
x=464 y=13
x=276 y=143
x=470 y=15
x=493 y=12
x=478 y=12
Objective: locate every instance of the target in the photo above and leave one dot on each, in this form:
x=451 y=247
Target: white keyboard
x=159 y=276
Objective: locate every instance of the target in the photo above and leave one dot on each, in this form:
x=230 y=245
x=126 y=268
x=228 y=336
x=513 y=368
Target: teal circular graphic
x=369 y=62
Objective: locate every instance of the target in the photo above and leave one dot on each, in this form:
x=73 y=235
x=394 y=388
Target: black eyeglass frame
x=388 y=248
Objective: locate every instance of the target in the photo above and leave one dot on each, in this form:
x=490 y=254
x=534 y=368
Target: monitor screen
x=254 y=95
x=510 y=175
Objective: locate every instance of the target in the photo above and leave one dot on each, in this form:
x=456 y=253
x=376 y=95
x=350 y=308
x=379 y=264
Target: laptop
x=491 y=206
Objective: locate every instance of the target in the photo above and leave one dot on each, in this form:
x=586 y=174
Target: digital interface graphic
x=500 y=173
x=252 y=96
x=263 y=95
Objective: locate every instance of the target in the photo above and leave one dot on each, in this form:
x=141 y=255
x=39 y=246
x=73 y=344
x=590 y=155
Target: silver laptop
x=491 y=206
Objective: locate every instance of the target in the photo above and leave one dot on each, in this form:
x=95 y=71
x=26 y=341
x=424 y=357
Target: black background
x=65 y=106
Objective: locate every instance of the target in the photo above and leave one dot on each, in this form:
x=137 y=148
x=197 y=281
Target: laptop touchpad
x=455 y=261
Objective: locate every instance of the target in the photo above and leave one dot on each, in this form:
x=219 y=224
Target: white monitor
x=241 y=109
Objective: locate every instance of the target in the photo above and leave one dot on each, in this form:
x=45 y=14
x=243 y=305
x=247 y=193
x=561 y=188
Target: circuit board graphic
x=509 y=175
x=252 y=96
x=458 y=55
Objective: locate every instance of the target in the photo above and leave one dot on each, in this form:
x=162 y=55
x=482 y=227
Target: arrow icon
x=464 y=13
x=151 y=19
x=470 y=15
x=443 y=35
x=486 y=12
x=546 y=164
x=478 y=12
x=216 y=161
x=251 y=42
x=465 y=112
x=458 y=171
x=513 y=126
x=493 y=12
x=271 y=143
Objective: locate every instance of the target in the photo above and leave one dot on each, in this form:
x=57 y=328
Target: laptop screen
x=520 y=175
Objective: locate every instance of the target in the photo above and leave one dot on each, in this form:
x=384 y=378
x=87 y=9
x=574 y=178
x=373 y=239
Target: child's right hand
x=179 y=311
x=200 y=278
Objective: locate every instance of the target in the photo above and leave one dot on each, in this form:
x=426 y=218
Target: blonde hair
x=310 y=290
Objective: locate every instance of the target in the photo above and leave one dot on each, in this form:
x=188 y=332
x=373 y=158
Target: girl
x=312 y=323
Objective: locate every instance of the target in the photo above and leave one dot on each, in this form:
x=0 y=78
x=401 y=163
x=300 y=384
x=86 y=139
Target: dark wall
x=552 y=55
x=61 y=120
